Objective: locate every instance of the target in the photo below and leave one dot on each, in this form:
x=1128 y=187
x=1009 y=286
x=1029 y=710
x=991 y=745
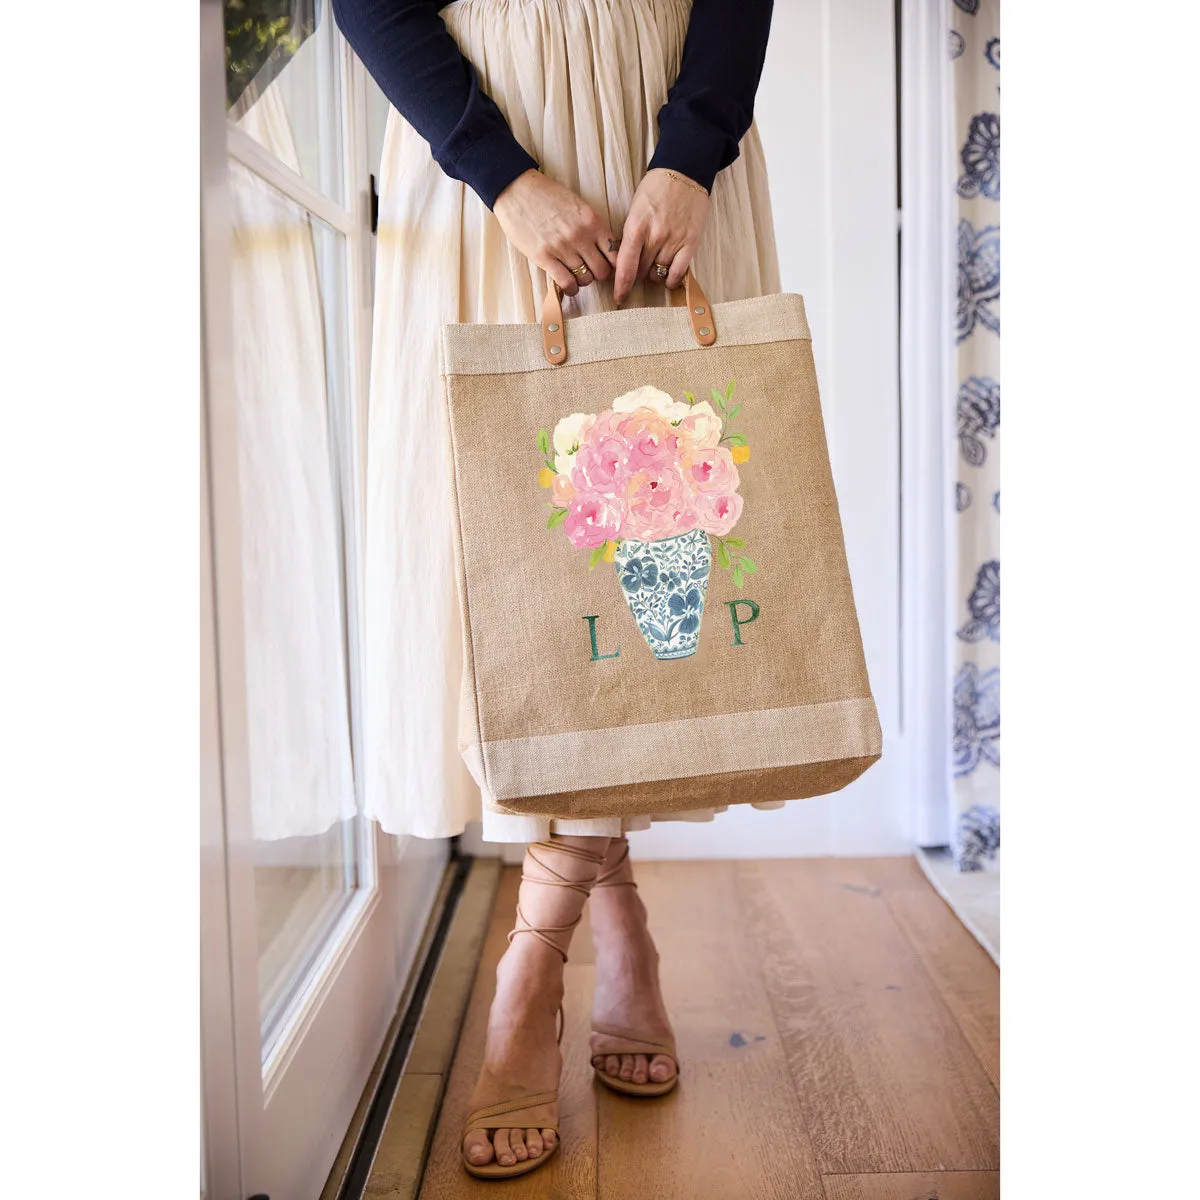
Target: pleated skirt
x=581 y=83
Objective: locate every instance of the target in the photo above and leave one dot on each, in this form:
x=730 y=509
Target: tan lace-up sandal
x=607 y=1039
x=538 y=1111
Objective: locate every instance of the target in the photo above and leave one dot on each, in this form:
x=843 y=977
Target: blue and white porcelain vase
x=665 y=583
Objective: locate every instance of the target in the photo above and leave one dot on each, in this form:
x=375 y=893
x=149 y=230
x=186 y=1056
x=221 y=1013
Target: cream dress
x=581 y=83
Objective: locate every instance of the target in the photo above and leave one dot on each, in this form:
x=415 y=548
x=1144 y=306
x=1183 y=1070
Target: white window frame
x=275 y=1115
x=928 y=284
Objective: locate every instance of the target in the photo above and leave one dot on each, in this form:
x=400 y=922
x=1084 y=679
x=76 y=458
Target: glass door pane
x=301 y=889
x=287 y=48
x=290 y=337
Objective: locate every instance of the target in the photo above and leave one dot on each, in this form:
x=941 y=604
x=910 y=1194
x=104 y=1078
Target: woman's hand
x=664 y=226
x=556 y=230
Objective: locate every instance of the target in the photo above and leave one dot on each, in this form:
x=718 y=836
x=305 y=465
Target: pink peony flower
x=649 y=437
x=593 y=520
x=605 y=425
x=659 y=504
x=562 y=489
x=648 y=468
x=717 y=512
x=601 y=464
x=711 y=470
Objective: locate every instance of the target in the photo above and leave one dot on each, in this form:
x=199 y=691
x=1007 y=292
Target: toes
x=504 y=1155
x=478 y=1148
x=549 y=1138
x=661 y=1068
x=612 y=1065
x=533 y=1142
x=639 y=1069
x=598 y=1061
x=626 y=1067
x=516 y=1140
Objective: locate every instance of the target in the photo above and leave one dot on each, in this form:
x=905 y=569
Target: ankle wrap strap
x=583 y=887
x=607 y=880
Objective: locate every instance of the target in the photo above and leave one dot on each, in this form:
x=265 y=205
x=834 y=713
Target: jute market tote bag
x=656 y=607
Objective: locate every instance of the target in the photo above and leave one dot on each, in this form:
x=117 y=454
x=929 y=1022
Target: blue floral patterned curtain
x=975 y=49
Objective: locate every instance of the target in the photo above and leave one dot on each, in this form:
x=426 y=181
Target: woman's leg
x=522 y=1056
x=627 y=994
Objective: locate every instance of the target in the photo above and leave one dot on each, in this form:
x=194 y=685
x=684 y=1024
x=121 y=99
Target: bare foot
x=627 y=994
x=522 y=1056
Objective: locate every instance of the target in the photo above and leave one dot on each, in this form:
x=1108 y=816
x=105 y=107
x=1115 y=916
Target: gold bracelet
x=684 y=179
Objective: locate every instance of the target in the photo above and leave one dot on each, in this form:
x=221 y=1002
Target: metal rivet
x=705 y=332
x=555 y=349
x=552 y=328
x=699 y=310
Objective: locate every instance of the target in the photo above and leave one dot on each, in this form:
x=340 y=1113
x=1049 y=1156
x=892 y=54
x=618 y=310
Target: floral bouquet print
x=645 y=485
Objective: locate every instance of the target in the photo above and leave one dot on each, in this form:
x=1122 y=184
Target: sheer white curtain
x=300 y=764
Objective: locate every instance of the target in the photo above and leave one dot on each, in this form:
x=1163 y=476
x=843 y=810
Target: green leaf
x=748 y=565
x=718 y=399
x=543 y=440
x=690 y=398
x=738 y=542
x=550 y=463
x=557 y=517
x=735 y=439
x=733 y=412
x=729 y=391
x=597 y=556
x=722 y=555
x=738 y=577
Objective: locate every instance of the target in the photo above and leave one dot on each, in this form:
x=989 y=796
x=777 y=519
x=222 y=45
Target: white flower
x=677 y=412
x=644 y=397
x=702 y=426
x=568 y=434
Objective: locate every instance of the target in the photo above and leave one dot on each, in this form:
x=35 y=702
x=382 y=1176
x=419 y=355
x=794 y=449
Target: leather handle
x=700 y=316
x=554 y=327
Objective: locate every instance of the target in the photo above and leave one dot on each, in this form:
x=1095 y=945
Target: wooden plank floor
x=839 y=1032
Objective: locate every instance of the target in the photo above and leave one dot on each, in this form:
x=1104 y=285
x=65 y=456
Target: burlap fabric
x=565 y=709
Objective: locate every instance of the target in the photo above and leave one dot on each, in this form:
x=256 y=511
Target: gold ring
x=661 y=271
x=580 y=271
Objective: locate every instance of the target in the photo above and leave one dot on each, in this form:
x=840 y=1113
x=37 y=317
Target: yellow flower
x=741 y=454
x=610 y=548
x=545 y=477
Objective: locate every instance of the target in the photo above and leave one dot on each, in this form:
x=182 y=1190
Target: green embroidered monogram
x=596 y=655
x=737 y=621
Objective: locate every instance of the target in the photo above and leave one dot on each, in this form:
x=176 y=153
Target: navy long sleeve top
x=408 y=50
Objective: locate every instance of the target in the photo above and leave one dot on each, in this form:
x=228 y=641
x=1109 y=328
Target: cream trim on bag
x=632 y=754
x=631 y=333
